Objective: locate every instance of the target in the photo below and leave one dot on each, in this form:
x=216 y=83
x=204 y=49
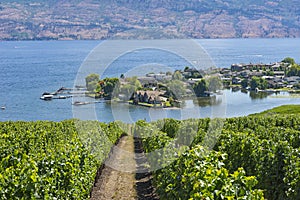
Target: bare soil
x=122 y=177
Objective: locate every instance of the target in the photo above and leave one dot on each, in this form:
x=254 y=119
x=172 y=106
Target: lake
x=29 y=68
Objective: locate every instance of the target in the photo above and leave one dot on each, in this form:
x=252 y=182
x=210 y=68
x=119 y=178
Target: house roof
x=145 y=79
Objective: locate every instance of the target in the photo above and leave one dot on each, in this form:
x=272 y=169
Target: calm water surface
x=29 y=68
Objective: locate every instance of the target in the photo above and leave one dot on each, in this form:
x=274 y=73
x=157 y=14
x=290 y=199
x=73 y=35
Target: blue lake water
x=29 y=68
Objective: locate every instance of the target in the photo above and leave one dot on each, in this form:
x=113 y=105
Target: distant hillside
x=141 y=19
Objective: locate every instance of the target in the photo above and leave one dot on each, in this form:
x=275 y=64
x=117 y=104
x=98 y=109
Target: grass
x=285 y=109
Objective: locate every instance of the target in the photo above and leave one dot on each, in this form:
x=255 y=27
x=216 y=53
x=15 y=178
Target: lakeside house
x=259 y=66
x=160 y=76
x=274 y=74
x=148 y=82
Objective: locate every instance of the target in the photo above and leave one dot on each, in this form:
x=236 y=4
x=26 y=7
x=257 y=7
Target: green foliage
x=285 y=109
x=200 y=87
x=93 y=86
x=176 y=89
x=132 y=85
x=186 y=68
x=169 y=73
x=263 y=147
x=194 y=174
x=134 y=82
x=59 y=160
x=289 y=60
x=250 y=153
x=111 y=86
x=171 y=126
x=199 y=174
x=297 y=86
x=127 y=90
x=177 y=76
x=294 y=70
x=52 y=160
x=258 y=82
x=269 y=73
x=107 y=86
x=91 y=82
x=214 y=83
x=244 y=83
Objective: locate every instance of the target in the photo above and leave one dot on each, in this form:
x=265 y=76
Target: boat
x=79 y=103
x=62 y=97
x=3 y=107
x=46 y=97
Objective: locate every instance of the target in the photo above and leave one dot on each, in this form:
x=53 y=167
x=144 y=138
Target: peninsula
x=168 y=89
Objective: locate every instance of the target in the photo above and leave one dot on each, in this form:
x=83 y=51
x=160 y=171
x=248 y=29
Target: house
x=272 y=84
x=192 y=81
x=276 y=67
x=162 y=77
x=268 y=77
x=257 y=74
x=147 y=81
x=225 y=71
x=292 y=80
x=236 y=80
x=193 y=73
x=279 y=73
x=245 y=73
x=237 y=67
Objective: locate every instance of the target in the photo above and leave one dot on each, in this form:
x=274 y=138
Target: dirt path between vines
x=121 y=178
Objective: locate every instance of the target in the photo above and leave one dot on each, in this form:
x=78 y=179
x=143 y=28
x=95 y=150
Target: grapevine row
x=262 y=151
x=52 y=160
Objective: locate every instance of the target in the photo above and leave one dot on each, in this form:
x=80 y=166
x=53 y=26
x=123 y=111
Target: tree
x=134 y=82
x=168 y=73
x=108 y=88
x=297 y=86
x=177 y=75
x=111 y=85
x=137 y=84
x=200 y=87
x=263 y=84
x=128 y=90
x=259 y=83
x=91 y=82
x=244 y=83
x=214 y=83
x=270 y=73
x=176 y=89
x=92 y=86
x=289 y=60
x=254 y=83
x=294 y=70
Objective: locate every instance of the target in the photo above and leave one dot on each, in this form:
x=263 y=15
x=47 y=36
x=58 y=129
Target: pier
x=64 y=93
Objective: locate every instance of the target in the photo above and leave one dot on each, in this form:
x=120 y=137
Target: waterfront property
x=279 y=75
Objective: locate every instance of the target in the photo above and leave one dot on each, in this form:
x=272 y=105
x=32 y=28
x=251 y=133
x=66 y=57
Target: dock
x=63 y=93
x=80 y=103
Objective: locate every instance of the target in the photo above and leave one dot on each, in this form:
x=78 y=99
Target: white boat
x=46 y=97
x=62 y=97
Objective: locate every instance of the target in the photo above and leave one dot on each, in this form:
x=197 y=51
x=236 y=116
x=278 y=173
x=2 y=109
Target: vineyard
x=52 y=160
x=252 y=157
